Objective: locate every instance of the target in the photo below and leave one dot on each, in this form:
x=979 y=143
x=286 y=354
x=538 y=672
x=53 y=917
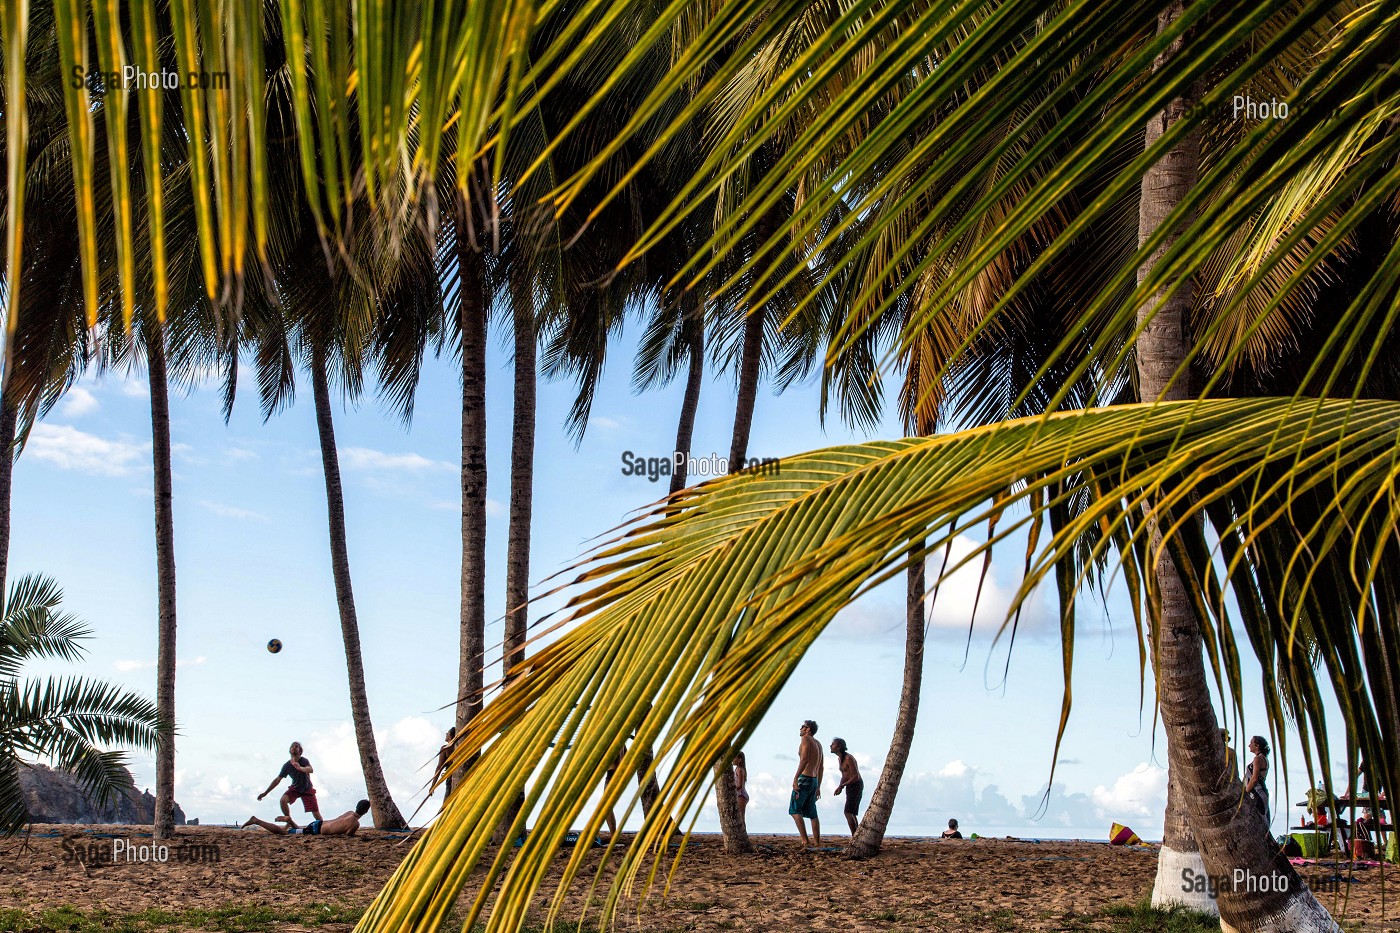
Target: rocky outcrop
x=57 y=797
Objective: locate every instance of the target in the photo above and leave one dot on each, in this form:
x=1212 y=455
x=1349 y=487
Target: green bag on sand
x=1391 y=853
x=1313 y=844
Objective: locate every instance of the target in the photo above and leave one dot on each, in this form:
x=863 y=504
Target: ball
x=274 y=646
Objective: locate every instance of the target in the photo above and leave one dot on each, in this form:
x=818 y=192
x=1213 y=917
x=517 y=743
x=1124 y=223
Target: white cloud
x=133 y=387
x=71 y=449
x=363 y=458
x=77 y=402
x=954 y=769
x=607 y=424
x=234 y=512
x=1141 y=792
x=239 y=453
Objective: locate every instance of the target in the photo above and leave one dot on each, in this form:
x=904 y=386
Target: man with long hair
x=850 y=781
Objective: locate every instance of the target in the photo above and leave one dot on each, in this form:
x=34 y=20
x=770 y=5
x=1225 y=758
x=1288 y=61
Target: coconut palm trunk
x=164 y=827
x=871 y=832
x=750 y=359
x=472 y=309
x=693 y=330
x=9 y=416
x=386 y=813
x=731 y=818
x=1231 y=834
x=522 y=486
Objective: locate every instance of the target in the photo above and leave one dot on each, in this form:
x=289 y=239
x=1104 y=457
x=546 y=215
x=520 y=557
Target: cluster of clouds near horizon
x=252 y=563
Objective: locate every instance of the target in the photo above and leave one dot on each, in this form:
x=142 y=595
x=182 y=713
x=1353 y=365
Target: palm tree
x=68 y=720
x=1190 y=427
x=165 y=580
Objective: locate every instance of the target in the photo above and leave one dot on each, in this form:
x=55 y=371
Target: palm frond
x=690 y=622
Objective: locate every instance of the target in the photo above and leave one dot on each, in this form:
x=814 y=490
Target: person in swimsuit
x=952 y=831
x=741 y=781
x=807 y=783
x=607 y=779
x=446 y=750
x=850 y=782
x=1256 y=772
x=299 y=770
x=343 y=825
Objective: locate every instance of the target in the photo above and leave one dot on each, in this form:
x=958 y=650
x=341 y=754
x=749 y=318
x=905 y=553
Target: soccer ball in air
x=274 y=646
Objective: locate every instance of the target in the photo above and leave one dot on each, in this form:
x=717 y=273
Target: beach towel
x=1120 y=835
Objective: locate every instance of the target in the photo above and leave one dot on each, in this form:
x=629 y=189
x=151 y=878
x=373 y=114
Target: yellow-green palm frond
x=686 y=626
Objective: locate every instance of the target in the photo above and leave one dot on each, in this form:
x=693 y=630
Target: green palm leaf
x=689 y=623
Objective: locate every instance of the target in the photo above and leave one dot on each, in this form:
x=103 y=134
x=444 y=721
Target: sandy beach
x=312 y=883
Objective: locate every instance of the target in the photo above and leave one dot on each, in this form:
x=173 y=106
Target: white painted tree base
x=1172 y=868
x=1301 y=913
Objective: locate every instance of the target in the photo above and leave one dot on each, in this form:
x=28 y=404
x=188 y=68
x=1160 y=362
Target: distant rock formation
x=57 y=797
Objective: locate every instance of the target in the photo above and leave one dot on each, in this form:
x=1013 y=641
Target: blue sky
x=253 y=564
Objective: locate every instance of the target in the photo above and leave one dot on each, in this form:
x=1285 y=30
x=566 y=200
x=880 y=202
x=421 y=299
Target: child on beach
x=343 y=825
x=952 y=831
x=299 y=770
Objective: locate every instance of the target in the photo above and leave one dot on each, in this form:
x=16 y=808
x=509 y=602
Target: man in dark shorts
x=850 y=781
x=343 y=825
x=299 y=770
x=807 y=783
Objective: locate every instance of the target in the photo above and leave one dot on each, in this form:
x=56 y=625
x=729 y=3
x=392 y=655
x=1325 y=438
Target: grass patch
x=1142 y=917
x=247 y=918
x=233 y=919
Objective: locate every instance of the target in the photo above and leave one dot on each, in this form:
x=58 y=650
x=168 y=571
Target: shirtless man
x=850 y=781
x=343 y=825
x=807 y=783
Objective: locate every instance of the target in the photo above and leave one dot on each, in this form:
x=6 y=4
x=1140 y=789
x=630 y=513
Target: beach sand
x=915 y=884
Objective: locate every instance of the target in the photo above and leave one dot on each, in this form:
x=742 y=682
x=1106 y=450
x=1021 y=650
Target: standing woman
x=741 y=780
x=1256 y=772
x=443 y=753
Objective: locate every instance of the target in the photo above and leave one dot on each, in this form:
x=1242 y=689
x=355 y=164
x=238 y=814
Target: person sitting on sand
x=299 y=770
x=952 y=831
x=741 y=781
x=850 y=781
x=807 y=783
x=343 y=825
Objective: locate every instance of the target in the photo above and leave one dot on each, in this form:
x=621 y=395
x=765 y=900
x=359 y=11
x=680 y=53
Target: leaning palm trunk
x=731 y=819
x=9 y=415
x=164 y=827
x=472 y=302
x=871 y=832
x=1230 y=833
x=382 y=806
